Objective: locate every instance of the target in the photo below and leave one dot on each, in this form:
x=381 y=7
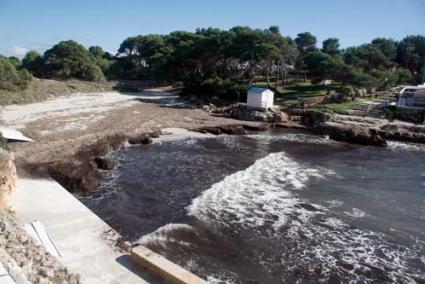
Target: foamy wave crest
x=262 y=200
x=394 y=145
x=355 y=212
x=293 y=137
x=164 y=236
x=259 y=195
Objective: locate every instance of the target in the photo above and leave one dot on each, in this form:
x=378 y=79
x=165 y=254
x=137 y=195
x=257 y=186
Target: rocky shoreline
x=83 y=174
x=75 y=156
x=26 y=261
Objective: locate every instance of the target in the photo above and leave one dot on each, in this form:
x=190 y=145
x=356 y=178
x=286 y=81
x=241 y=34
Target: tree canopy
x=12 y=79
x=68 y=59
x=239 y=54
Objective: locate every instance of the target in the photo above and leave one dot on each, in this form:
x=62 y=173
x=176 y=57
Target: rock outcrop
x=350 y=133
x=224 y=129
x=143 y=139
x=103 y=163
x=7 y=178
x=26 y=261
x=82 y=174
x=363 y=131
x=233 y=129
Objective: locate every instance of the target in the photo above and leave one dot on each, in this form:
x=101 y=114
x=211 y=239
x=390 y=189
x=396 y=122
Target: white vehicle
x=412 y=97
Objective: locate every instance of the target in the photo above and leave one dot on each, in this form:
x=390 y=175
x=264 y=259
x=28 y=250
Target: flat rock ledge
x=26 y=261
x=362 y=131
x=235 y=129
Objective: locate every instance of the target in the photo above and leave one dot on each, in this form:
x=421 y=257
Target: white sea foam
x=355 y=212
x=258 y=195
x=397 y=146
x=264 y=196
x=163 y=237
x=335 y=203
x=293 y=137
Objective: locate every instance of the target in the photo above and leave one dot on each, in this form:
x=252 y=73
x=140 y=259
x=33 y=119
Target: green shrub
x=346 y=89
x=216 y=87
x=12 y=79
x=68 y=59
x=3 y=144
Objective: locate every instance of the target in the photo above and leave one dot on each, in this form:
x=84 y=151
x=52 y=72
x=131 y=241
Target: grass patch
x=293 y=90
x=296 y=90
x=42 y=89
x=341 y=108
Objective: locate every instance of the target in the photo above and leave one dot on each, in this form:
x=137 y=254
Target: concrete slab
x=14 y=135
x=77 y=233
x=4 y=276
x=167 y=270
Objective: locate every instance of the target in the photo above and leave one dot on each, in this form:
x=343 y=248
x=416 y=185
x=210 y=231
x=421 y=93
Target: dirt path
x=64 y=125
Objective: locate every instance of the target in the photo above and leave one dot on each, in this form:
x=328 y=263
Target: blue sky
x=38 y=24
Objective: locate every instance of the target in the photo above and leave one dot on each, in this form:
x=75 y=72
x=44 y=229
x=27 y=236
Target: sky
x=39 y=24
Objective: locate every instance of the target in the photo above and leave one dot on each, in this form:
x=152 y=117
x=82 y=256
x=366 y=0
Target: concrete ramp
x=77 y=232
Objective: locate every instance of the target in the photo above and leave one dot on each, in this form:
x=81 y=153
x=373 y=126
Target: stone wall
x=26 y=261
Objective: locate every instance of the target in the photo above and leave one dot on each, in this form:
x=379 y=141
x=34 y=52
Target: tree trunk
x=277 y=78
x=268 y=72
x=284 y=74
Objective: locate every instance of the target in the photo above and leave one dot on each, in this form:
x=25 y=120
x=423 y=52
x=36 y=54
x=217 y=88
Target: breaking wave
x=162 y=236
x=263 y=200
x=394 y=145
x=257 y=196
x=293 y=137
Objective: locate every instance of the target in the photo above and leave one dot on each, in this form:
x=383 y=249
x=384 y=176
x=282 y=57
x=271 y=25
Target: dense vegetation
x=220 y=63
x=12 y=79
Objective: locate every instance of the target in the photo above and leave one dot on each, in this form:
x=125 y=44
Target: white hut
x=259 y=98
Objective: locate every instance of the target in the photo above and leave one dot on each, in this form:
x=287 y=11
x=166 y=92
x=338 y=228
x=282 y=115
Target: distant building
x=412 y=97
x=260 y=98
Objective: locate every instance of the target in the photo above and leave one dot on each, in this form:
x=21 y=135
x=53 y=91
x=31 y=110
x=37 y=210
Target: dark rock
x=224 y=129
x=154 y=134
x=280 y=117
x=403 y=134
x=209 y=129
x=103 y=163
x=76 y=177
x=242 y=113
x=144 y=139
x=350 y=133
x=233 y=129
x=312 y=118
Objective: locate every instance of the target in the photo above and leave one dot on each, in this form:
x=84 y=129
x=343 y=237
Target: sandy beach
x=63 y=126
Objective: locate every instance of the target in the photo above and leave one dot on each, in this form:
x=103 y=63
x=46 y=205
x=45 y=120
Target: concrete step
x=167 y=270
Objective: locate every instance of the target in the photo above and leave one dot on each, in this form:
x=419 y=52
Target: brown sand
x=65 y=126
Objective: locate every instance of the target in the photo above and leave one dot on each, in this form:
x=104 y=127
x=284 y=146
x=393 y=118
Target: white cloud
x=19 y=50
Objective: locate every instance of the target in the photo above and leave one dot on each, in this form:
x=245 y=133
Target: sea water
x=274 y=207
